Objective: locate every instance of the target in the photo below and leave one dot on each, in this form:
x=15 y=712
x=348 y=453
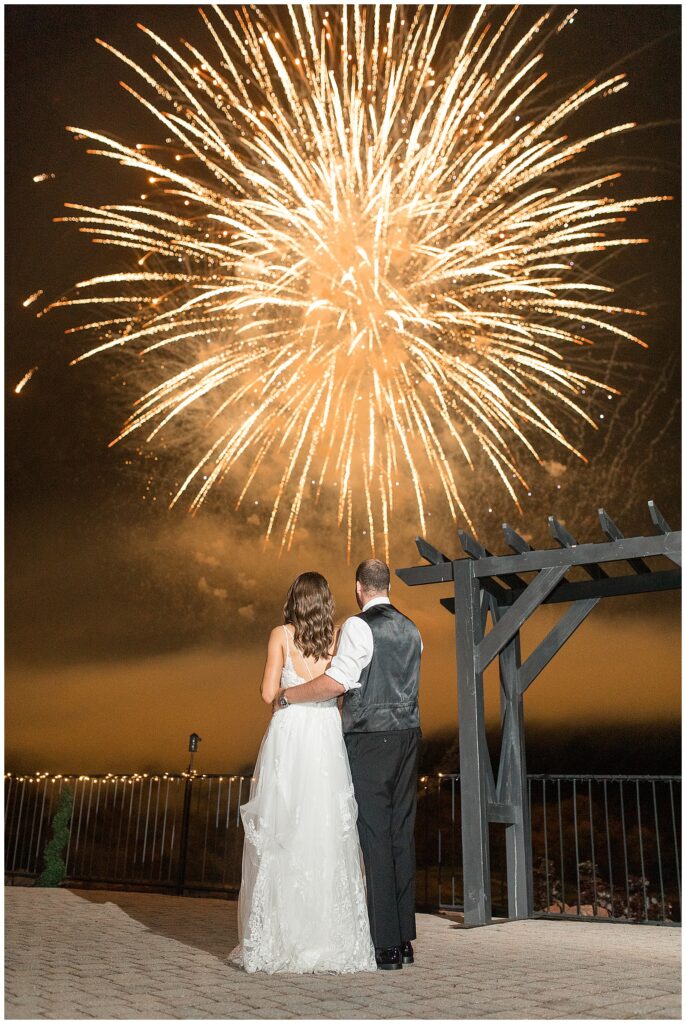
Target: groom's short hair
x=373 y=575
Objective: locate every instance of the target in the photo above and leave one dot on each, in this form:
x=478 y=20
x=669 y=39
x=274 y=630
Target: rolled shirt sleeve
x=355 y=649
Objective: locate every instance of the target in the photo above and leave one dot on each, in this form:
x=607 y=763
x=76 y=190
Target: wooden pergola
x=510 y=588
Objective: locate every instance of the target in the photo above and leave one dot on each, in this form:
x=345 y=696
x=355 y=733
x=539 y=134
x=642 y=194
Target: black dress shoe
x=407 y=953
x=389 y=959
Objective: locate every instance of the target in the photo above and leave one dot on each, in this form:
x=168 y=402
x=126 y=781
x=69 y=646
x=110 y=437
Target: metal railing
x=171 y=830
x=619 y=857
x=603 y=847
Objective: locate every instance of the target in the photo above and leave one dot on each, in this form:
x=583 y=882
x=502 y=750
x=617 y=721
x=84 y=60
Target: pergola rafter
x=496 y=585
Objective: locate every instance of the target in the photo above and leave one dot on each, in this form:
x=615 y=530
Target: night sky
x=129 y=625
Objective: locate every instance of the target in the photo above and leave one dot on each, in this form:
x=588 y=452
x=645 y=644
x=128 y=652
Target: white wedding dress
x=302 y=905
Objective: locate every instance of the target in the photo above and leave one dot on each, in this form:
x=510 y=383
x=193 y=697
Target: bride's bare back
x=277 y=655
x=313 y=666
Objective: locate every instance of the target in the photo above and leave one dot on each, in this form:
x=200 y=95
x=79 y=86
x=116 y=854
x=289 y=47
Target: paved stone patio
x=99 y=954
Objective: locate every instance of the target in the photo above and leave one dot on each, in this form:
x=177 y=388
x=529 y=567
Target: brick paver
x=82 y=953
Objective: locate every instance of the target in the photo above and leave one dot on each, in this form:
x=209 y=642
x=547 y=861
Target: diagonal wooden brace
x=551 y=644
x=516 y=615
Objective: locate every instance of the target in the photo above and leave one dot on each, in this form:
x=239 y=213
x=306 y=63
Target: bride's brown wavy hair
x=310 y=609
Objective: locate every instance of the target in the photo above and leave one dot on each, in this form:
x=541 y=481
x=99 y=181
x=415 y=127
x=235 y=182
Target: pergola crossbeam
x=473 y=549
x=565 y=540
x=418 y=575
x=625 y=549
x=429 y=552
x=673 y=547
x=513 y=539
x=612 y=531
x=581 y=554
x=613 y=586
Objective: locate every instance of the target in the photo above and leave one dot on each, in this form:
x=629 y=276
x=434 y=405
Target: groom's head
x=372 y=579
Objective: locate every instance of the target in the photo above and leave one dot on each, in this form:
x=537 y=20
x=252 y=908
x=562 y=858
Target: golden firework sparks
x=361 y=253
x=24 y=380
x=30 y=299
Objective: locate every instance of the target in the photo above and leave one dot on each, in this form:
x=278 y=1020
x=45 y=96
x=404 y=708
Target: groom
x=377 y=666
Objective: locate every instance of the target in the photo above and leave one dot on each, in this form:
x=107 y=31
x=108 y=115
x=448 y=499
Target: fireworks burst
x=361 y=252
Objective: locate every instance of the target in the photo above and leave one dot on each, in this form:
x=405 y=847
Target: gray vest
x=387 y=698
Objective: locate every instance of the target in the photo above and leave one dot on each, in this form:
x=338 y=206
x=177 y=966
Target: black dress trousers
x=384 y=772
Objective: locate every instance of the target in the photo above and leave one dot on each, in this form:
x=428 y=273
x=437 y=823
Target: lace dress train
x=302 y=905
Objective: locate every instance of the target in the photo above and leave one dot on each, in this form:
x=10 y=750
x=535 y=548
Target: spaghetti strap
x=302 y=657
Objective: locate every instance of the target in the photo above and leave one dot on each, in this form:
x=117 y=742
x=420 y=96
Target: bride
x=302 y=904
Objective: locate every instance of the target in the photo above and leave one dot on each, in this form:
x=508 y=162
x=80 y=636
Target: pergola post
x=469 y=629
x=512 y=784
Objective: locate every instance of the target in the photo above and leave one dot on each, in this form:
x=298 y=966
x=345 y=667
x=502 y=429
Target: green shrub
x=55 y=869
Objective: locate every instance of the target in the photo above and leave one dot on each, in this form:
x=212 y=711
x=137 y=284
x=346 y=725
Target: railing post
x=193 y=741
x=183 y=840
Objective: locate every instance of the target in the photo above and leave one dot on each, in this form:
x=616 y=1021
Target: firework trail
x=361 y=255
x=24 y=380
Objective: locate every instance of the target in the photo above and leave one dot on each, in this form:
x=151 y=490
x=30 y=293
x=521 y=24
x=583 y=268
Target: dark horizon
x=607 y=748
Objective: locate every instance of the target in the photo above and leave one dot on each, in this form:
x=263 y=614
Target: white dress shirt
x=355 y=648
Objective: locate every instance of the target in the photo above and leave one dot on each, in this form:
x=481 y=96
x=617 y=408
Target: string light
x=130 y=778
